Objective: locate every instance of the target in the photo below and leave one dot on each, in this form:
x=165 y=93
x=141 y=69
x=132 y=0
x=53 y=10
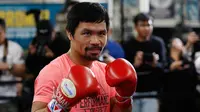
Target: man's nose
x=95 y=40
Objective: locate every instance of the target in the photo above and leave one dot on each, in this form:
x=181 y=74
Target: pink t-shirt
x=52 y=74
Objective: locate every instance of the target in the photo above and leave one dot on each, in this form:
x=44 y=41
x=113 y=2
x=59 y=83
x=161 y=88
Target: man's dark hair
x=86 y=12
x=71 y=3
x=2 y=23
x=180 y=29
x=141 y=17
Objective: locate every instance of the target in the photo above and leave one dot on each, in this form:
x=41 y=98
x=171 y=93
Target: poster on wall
x=102 y=2
x=162 y=9
x=192 y=10
x=130 y=6
x=20 y=25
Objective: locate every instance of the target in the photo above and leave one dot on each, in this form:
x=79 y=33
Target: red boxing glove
x=80 y=83
x=122 y=75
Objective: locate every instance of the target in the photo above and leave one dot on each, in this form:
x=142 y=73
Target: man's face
x=144 y=28
x=89 y=39
x=2 y=35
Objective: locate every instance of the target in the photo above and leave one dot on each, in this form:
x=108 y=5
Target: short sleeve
x=49 y=77
x=18 y=55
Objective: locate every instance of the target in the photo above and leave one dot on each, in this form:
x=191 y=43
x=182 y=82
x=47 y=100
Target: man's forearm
x=18 y=69
x=41 y=110
x=125 y=106
x=118 y=109
x=46 y=110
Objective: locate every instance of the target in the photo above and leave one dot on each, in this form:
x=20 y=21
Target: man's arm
x=15 y=69
x=63 y=97
x=39 y=107
x=18 y=70
x=162 y=62
x=42 y=107
x=116 y=108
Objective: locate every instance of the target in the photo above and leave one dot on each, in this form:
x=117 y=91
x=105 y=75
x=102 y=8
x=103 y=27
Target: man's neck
x=142 y=39
x=77 y=59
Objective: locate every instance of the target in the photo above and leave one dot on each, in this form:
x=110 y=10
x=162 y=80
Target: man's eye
x=102 y=33
x=86 y=33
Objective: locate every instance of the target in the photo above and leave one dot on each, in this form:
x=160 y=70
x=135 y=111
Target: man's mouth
x=94 y=50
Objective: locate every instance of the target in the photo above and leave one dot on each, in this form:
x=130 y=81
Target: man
x=11 y=68
x=145 y=44
x=147 y=53
x=77 y=75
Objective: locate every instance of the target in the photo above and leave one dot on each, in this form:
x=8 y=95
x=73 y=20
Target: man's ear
x=69 y=35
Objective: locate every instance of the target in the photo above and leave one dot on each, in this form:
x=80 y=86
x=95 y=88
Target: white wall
x=31 y=1
x=100 y=1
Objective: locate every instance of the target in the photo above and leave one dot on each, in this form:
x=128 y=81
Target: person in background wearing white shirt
x=11 y=68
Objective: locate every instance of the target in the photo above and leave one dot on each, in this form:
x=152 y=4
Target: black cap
x=44 y=28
